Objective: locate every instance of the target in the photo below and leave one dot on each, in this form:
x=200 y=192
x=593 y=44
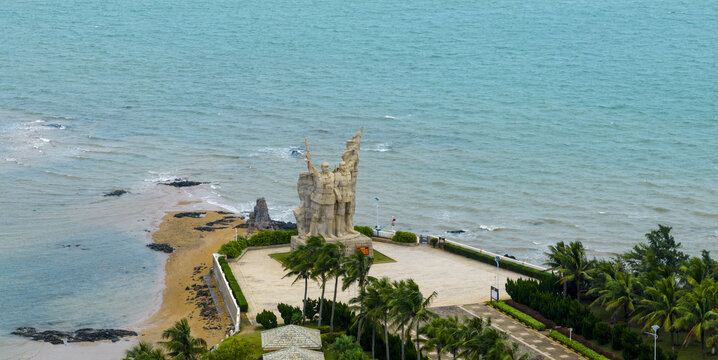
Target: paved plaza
x=456 y=279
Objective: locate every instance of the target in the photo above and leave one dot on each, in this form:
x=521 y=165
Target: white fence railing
x=226 y=291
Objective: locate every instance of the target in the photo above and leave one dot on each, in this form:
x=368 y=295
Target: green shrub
x=267 y=319
x=287 y=312
x=602 y=333
x=508 y=265
x=578 y=347
x=269 y=237
x=404 y=237
x=524 y=318
x=233 y=248
x=434 y=241
x=236 y=290
x=366 y=230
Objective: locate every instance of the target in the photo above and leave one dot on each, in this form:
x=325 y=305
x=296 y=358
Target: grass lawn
x=379 y=258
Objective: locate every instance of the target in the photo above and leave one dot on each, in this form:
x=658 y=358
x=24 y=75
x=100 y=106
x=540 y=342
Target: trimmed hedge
x=526 y=319
x=404 y=237
x=530 y=312
x=233 y=248
x=575 y=345
x=236 y=290
x=508 y=265
x=269 y=237
x=366 y=230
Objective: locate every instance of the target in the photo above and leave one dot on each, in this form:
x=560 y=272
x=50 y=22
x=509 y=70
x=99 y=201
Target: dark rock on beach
x=116 y=193
x=161 y=247
x=182 y=183
x=192 y=214
x=208 y=228
x=241 y=226
x=282 y=225
x=81 y=335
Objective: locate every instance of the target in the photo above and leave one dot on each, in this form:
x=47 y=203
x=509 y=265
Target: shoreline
x=183 y=294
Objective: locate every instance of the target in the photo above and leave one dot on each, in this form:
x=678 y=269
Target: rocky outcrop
x=192 y=214
x=182 y=183
x=165 y=248
x=81 y=335
x=259 y=218
x=116 y=193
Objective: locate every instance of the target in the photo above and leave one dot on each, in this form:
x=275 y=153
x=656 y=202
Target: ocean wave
x=381 y=148
x=490 y=227
x=389 y=117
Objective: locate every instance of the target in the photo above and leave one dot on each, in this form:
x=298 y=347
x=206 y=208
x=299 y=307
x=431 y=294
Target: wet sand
x=191 y=259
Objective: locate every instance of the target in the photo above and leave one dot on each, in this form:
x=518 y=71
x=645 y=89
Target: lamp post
x=377 y=215
x=655 y=338
x=497 y=272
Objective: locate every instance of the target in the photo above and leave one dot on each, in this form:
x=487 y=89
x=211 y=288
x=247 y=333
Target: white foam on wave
x=489 y=227
x=389 y=117
x=384 y=147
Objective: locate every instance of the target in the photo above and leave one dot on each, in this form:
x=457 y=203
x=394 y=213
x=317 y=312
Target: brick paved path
x=529 y=340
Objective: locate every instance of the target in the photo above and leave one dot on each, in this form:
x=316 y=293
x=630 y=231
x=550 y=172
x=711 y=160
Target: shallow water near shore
x=522 y=124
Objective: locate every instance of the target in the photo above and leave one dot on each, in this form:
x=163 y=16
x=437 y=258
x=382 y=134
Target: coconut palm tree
x=437 y=334
x=357 y=269
x=577 y=266
x=502 y=350
x=327 y=260
x=453 y=335
x=557 y=261
x=660 y=306
x=476 y=338
x=300 y=264
x=337 y=271
x=378 y=295
x=181 y=345
x=419 y=308
x=401 y=309
x=695 y=271
x=144 y=351
x=698 y=312
x=619 y=293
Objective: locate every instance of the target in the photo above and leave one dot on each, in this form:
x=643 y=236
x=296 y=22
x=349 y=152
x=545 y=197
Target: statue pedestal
x=352 y=242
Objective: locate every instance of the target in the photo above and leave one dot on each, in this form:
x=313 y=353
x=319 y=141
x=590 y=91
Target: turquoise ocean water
x=523 y=123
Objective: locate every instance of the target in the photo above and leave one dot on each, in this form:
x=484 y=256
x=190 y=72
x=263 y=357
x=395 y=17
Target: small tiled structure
x=289 y=336
x=294 y=353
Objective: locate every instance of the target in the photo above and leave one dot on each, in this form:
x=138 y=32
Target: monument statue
x=327 y=200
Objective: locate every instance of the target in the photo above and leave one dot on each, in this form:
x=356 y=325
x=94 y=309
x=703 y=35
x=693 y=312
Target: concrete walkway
x=535 y=342
x=456 y=279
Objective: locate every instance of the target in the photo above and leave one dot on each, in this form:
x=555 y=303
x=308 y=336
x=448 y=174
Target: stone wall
x=227 y=296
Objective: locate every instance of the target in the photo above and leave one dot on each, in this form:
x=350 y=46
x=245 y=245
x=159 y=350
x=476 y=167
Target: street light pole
x=377 y=215
x=655 y=338
x=497 y=272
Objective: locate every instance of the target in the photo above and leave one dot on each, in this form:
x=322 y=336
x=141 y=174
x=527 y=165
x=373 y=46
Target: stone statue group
x=327 y=197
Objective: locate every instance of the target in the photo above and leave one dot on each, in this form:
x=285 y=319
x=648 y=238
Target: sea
x=520 y=123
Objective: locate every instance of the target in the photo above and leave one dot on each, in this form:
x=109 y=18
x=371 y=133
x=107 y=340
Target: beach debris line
x=116 y=193
x=178 y=182
x=165 y=248
x=82 y=335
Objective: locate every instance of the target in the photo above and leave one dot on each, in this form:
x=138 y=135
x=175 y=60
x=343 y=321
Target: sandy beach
x=191 y=260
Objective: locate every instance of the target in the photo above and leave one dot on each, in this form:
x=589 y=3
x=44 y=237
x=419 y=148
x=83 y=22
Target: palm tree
x=476 y=338
x=328 y=258
x=401 y=309
x=698 y=312
x=300 y=263
x=418 y=307
x=577 y=266
x=660 y=306
x=357 y=269
x=377 y=309
x=437 y=335
x=338 y=270
x=181 y=344
x=501 y=350
x=144 y=351
x=695 y=271
x=618 y=293
x=557 y=261
x=453 y=335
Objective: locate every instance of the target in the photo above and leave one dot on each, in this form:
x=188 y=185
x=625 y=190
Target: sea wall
x=227 y=296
